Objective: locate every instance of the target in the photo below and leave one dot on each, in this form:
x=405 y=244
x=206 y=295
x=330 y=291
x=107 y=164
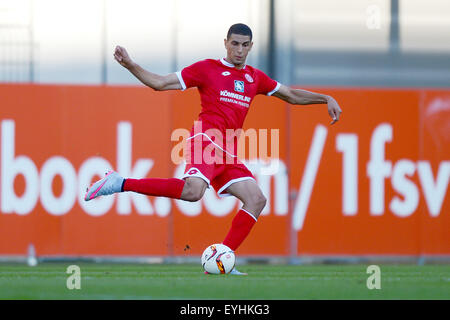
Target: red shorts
x=217 y=167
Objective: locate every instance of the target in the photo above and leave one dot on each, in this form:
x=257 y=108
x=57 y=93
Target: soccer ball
x=218 y=259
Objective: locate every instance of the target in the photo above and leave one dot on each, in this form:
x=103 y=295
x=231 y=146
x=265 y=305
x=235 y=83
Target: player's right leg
x=114 y=183
x=189 y=189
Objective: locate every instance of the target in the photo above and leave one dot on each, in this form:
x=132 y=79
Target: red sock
x=240 y=228
x=170 y=188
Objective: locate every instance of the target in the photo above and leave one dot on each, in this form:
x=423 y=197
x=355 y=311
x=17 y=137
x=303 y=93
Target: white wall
x=69 y=35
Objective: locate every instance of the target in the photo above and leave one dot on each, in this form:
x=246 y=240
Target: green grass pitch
x=265 y=282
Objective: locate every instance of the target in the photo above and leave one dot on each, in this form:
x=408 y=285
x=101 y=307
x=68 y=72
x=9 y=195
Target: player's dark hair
x=240 y=28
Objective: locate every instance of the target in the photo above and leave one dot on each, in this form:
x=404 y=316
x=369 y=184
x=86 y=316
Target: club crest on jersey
x=238 y=86
x=248 y=78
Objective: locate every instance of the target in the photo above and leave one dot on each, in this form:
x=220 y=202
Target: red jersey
x=226 y=92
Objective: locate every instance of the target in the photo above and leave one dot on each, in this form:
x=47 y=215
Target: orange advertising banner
x=378 y=184
x=375 y=183
x=55 y=140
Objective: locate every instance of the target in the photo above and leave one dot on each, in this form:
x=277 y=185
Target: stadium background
x=373 y=186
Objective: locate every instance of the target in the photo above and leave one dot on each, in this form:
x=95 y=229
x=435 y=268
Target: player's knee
x=194 y=196
x=257 y=202
x=261 y=201
x=193 y=191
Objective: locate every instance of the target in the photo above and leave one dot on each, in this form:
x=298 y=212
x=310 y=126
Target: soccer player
x=227 y=87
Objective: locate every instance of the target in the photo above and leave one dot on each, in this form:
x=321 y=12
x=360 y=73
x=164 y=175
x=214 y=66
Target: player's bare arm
x=304 y=97
x=152 y=80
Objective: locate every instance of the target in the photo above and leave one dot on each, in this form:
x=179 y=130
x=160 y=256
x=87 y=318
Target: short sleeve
x=266 y=85
x=192 y=76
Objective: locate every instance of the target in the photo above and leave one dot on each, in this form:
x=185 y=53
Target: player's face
x=238 y=46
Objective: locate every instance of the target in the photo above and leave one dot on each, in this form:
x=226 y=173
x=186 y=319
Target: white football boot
x=236 y=272
x=233 y=272
x=111 y=183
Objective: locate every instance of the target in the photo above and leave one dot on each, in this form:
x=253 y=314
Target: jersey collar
x=226 y=63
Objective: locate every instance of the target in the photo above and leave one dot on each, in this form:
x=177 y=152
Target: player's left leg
x=254 y=202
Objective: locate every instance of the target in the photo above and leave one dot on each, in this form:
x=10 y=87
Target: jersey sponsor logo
x=226 y=93
x=238 y=86
x=248 y=78
x=226 y=73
